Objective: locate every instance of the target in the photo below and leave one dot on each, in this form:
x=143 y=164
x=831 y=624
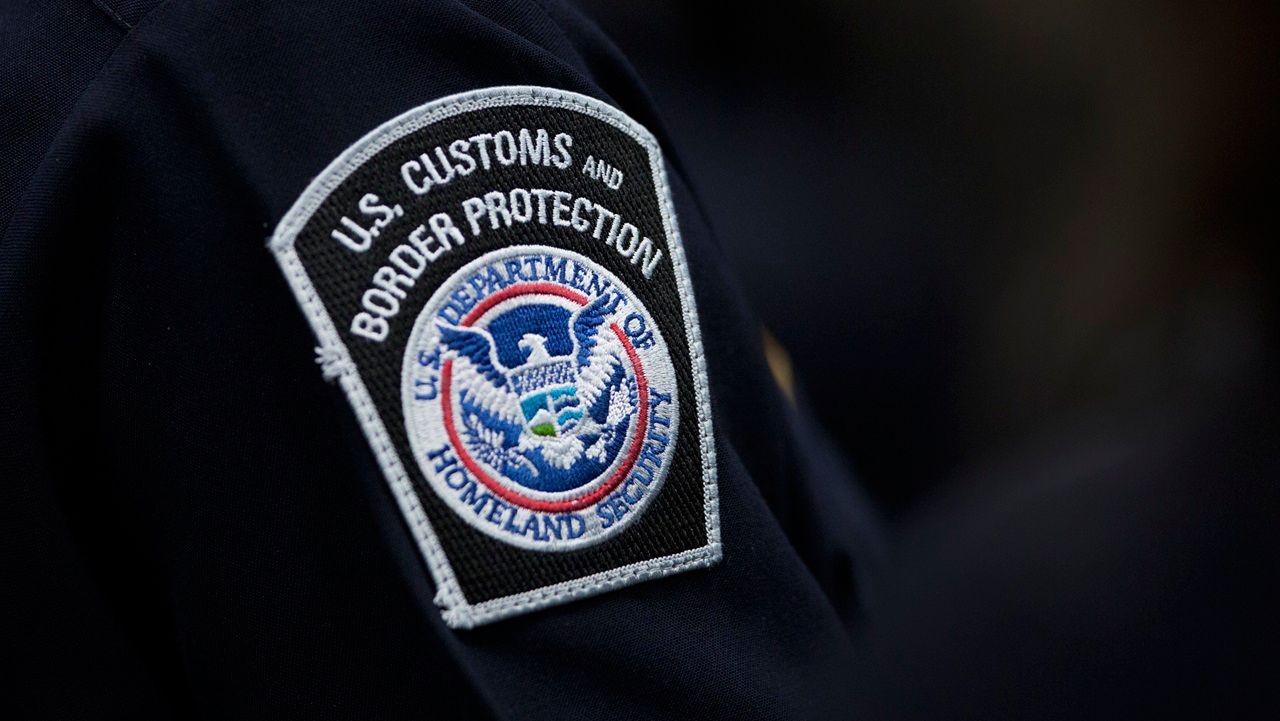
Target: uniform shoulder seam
x=128 y=17
x=111 y=13
x=6 y=222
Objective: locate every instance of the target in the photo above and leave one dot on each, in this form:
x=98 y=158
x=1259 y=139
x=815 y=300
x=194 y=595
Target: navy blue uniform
x=199 y=524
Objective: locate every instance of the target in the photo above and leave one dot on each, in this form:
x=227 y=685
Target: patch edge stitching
x=456 y=611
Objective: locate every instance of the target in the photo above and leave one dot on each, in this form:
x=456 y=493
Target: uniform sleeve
x=280 y=573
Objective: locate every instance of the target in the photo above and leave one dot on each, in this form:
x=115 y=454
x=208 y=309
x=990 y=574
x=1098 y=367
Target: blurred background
x=971 y=222
x=1020 y=254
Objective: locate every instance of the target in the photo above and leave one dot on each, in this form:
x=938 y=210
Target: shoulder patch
x=497 y=281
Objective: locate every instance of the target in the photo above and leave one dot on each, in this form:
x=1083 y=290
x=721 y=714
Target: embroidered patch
x=497 y=281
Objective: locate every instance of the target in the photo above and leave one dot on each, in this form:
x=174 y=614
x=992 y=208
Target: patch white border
x=455 y=609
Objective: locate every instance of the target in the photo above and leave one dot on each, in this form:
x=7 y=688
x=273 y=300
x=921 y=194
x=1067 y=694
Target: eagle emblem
x=552 y=421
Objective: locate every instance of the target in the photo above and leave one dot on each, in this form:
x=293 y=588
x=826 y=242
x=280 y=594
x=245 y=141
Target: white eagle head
x=535 y=346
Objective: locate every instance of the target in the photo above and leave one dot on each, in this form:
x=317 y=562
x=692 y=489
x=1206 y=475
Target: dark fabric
x=1123 y=567
x=199 y=528
x=50 y=50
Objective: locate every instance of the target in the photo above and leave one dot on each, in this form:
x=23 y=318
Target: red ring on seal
x=446 y=405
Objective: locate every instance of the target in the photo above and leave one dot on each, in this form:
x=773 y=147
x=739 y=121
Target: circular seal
x=540 y=398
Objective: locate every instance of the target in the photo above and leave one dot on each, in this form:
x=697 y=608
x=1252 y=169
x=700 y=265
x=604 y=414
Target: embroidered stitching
x=335 y=360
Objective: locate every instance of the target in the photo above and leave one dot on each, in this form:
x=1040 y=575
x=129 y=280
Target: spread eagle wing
x=586 y=324
x=476 y=347
x=596 y=353
x=482 y=378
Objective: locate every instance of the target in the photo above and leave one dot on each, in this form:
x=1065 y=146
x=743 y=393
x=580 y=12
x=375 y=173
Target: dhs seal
x=540 y=399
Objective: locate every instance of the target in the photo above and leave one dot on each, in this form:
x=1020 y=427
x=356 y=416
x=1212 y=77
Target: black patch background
x=485 y=567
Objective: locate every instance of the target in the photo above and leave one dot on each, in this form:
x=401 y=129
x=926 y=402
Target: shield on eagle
x=548 y=390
